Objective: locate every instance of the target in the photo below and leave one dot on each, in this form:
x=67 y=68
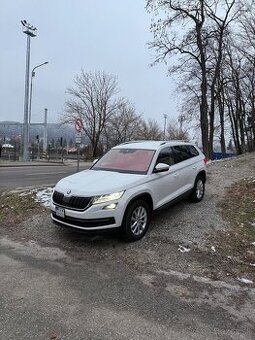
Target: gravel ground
x=179 y=237
x=172 y=285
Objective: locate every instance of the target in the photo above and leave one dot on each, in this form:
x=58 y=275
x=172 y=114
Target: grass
x=16 y=207
x=238 y=208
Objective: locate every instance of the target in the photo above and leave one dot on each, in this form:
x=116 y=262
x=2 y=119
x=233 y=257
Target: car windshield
x=135 y=161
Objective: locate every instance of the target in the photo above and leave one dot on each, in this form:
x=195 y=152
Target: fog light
x=111 y=206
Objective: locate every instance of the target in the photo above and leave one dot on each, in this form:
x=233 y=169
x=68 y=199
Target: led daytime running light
x=107 y=198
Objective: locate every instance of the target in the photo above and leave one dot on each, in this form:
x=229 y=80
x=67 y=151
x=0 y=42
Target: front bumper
x=85 y=224
x=96 y=217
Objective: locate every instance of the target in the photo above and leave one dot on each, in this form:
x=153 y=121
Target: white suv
x=127 y=184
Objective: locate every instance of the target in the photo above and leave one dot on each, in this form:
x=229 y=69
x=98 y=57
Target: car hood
x=97 y=182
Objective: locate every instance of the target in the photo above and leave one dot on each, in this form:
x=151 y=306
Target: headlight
x=107 y=198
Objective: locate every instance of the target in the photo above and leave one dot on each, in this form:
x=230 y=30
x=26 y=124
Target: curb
x=15 y=165
x=20 y=164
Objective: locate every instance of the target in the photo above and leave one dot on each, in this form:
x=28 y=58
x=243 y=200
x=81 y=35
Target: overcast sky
x=96 y=35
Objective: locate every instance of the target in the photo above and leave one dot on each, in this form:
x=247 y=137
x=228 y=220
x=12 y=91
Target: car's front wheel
x=136 y=220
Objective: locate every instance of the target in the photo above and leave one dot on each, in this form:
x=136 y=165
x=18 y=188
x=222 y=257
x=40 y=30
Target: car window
x=193 y=151
x=126 y=160
x=166 y=156
x=184 y=152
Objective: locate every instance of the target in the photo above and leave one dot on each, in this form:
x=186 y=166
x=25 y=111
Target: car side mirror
x=161 y=167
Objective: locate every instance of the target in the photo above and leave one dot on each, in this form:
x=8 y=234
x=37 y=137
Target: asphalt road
x=60 y=285
x=13 y=177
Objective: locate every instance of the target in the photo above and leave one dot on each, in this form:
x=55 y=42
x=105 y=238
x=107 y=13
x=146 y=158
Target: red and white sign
x=78 y=125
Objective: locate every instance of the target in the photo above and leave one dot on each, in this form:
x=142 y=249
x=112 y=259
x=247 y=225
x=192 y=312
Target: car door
x=165 y=185
x=186 y=165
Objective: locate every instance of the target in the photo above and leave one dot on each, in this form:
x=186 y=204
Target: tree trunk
x=204 y=103
x=222 y=124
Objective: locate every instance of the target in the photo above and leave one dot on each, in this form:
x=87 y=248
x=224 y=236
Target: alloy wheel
x=138 y=220
x=200 y=189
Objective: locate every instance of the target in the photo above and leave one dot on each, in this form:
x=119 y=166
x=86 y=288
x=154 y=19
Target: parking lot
x=173 y=284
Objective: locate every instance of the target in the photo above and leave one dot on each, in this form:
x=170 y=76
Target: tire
x=136 y=220
x=198 y=190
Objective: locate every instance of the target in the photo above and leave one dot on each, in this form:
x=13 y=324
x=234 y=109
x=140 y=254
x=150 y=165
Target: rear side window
x=184 y=152
x=193 y=151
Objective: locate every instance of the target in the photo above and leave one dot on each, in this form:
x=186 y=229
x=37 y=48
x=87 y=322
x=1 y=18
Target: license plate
x=60 y=212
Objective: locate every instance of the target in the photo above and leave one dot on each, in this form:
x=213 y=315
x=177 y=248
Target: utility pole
x=30 y=31
x=45 y=132
x=165 y=118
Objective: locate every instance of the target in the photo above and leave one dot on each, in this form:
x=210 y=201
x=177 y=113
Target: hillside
x=12 y=129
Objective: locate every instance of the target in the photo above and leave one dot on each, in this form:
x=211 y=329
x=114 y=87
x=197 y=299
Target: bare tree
x=176 y=129
x=93 y=99
x=205 y=27
x=221 y=15
x=150 y=130
x=235 y=91
x=247 y=46
x=190 y=43
x=124 y=125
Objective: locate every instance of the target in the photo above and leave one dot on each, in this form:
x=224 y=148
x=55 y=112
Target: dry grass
x=238 y=208
x=16 y=207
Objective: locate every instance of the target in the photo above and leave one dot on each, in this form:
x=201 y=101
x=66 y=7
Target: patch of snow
x=243 y=280
x=43 y=197
x=252 y=264
x=253 y=243
x=213 y=249
x=183 y=249
x=22 y=194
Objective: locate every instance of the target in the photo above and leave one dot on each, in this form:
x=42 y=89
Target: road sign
x=78 y=138
x=78 y=125
x=78 y=143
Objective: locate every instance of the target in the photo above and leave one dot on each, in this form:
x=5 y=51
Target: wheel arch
x=202 y=174
x=142 y=196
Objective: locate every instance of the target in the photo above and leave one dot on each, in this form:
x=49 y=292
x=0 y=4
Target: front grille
x=72 y=202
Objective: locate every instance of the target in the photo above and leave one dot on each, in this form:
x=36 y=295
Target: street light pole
x=31 y=92
x=165 y=118
x=30 y=31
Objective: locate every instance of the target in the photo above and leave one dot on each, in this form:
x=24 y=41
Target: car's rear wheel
x=136 y=220
x=198 y=190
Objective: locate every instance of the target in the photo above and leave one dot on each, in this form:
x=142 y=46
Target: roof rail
x=175 y=141
x=180 y=140
x=135 y=141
